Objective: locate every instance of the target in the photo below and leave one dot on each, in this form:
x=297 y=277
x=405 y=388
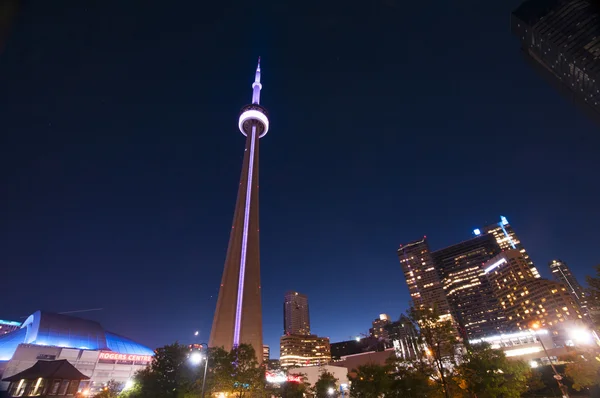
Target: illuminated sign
x=280 y=377
x=503 y=220
x=477 y=232
x=115 y=356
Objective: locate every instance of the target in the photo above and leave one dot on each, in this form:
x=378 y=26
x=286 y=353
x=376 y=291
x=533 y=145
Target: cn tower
x=238 y=316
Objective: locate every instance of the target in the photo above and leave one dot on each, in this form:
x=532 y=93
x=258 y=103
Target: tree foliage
x=236 y=372
x=583 y=368
x=169 y=375
x=487 y=373
x=370 y=381
x=326 y=381
x=439 y=343
x=112 y=389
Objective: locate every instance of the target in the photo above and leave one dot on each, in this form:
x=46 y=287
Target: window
x=17 y=389
x=73 y=387
x=63 y=387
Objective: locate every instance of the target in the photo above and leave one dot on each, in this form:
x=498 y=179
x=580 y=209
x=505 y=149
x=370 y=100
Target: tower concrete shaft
x=238 y=316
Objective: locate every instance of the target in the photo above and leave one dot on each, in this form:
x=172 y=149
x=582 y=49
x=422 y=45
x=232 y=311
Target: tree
x=291 y=389
x=412 y=380
x=487 y=373
x=593 y=293
x=112 y=389
x=323 y=385
x=583 y=369
x=236 y=372
x=370 y=381
x=169 y=375
x=440 y=345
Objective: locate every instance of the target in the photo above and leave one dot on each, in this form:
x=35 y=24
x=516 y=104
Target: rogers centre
x=95 y=352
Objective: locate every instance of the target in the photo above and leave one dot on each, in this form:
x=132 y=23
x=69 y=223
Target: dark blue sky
x=120 y=154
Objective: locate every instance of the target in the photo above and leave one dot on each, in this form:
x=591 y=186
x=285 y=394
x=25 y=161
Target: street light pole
x=558 y=377
x=205 y=368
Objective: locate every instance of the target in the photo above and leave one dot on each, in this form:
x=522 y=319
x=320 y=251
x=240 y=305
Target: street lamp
x=330 y=391
x=196 y=358
x=557 y=376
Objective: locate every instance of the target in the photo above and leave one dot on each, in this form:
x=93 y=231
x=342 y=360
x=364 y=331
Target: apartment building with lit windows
x=527 y=299
x=422 y=277
x=304 y=350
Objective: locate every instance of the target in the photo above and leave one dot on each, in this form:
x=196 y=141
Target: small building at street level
x=95 y=352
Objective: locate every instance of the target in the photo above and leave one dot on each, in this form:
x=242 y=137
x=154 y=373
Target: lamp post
x=196 y=360
x=558 y=377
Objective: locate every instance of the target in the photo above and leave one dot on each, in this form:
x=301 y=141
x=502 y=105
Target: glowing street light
x=196 y=358
x=331 y=391
x=581 y=336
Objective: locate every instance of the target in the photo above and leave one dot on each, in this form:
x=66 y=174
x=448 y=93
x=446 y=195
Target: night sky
x=120 y=155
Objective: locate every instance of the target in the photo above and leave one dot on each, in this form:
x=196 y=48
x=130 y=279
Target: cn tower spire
x=256 y=86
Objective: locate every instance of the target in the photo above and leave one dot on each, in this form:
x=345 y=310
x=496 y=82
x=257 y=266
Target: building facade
x=8 y=326
x=422 y=277
x=238 y=314
x=378 y=330
x=473 y=305
x=561 y=40
x=296 y=316
x=97 y=353
x=562 y=273
x=403 y=336
x=266 y=353
x=529 y=301
x=304 y=350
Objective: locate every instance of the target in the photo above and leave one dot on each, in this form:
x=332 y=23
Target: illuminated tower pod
x=238 y=316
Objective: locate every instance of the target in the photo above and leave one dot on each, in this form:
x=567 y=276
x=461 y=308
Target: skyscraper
x=422 y=277
x=472 y=303
x=507 y=239
x=238 y=316
x=562 y=273
x=296 y=317
x=561 y=40
x=526 y=299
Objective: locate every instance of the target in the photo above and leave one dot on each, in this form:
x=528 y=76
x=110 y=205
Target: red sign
x=115 y=356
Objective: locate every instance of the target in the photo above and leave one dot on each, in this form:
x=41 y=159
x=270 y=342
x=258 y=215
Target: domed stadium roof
x=59 y=330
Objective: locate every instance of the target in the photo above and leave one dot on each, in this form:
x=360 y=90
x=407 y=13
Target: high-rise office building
x=304 y=350
x=507 y=239
x=266 y=353
x=422 y=277
x=526 y=299
x=473 y=305
x=562 y=273
x=296 y=317
x=378 y=330
x=238 y=315
x=561 y=40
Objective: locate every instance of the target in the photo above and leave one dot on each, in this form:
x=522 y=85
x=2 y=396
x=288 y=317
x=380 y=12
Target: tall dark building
x=422 y=277
x=561 y=39
x=296 y=317
x=238 y=316
x=473 y=305
x=562 y=273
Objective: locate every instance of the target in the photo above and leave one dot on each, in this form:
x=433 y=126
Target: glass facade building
x=561 y=40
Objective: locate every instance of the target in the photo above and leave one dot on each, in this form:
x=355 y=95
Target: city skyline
x=121 y=155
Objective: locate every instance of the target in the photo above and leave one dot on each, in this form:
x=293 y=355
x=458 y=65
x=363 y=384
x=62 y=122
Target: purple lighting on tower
x=240 y=296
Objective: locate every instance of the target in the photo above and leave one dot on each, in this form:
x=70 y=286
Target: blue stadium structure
x=58 y=330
